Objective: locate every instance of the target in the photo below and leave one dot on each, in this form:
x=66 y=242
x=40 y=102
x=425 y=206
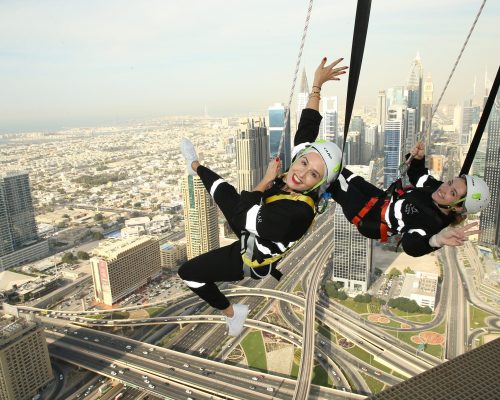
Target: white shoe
x=189 y=153
x=237 y=322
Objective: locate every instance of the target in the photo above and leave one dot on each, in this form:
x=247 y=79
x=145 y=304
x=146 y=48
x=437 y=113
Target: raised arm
x=310 y=119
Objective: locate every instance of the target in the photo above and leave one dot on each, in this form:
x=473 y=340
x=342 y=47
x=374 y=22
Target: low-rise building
x=421 y=287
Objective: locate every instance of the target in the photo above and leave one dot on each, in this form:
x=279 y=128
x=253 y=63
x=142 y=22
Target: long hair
x=456 y=218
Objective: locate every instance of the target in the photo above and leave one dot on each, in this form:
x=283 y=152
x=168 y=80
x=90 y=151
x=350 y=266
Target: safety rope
x=403 y=168
x=481 y=125
x=357 y=50
x=302 y=42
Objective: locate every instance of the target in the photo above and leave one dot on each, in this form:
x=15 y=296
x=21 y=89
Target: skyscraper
x=302 y=95
x=17 y=215
x=410 y=134
x=352 y=252
x=276 y=128
x=395 y=96
x=200 y=217
x=414 y=88
x=252 y=154
x=489 y=222
x=427 y=100
x=381 y=116
x=24 y=359
x=393 y=136
x=358 y=125
x=470 y=116
x=329 y=123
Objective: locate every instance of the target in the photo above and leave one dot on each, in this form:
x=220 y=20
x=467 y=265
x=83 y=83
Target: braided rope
x=302 y=42
x=404 y=166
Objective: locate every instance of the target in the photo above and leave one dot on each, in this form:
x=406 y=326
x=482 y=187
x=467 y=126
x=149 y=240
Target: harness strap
x=384 y=229
x=247 y=248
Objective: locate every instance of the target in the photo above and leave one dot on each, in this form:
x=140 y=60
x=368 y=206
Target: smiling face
x=306 y=172
x=449 y=192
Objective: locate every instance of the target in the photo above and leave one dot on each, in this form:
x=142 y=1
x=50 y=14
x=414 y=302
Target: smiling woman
x=419 y=215
x=270 y=219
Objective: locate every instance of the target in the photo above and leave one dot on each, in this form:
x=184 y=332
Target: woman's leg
x=352 y=192
x=220 y=265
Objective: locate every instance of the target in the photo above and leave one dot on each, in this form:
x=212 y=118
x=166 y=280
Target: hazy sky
x=81 y=63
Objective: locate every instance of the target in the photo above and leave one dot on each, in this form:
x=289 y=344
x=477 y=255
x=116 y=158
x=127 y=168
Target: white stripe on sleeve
x=398 y=214
x=422 y=180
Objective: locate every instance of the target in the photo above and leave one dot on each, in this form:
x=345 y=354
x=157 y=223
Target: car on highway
x=254 y=378
x=188 y=391
x=376 y=373
x=252 y=387
x=151 y=386
x=144 y=377
x=113 y=373
x=186 y=365
x=270 y=389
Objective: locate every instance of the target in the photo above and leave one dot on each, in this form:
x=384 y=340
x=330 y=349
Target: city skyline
x=89 y=63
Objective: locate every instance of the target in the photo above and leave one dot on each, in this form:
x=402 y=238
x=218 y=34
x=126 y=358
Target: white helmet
x=478 y=194
x=331 y=155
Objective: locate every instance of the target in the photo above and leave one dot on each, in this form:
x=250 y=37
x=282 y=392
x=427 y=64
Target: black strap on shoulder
x=480 y=127
x=357 y=50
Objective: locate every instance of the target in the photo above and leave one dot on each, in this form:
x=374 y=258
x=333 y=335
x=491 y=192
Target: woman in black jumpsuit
x=276 y=226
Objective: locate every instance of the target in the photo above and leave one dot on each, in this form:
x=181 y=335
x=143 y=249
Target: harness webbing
x=481 y=126
x=247 y=248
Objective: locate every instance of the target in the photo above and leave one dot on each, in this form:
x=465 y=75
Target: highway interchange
x=206 y=335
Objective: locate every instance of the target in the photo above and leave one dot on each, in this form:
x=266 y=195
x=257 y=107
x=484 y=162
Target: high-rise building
x=470 y=116
x=17 y=215
x=252 y=154
x=381 y=116
x=358 y=125
x=410 y=137
x=120 y=266
x=352 y=252
x=427 y=101
x=24 y=359
x=200 y=217
x=489 y=222
x=302 y=95
x=329 y=124
x=277 y=114
x=395 y=96
x=393 y=137
x=414 y=88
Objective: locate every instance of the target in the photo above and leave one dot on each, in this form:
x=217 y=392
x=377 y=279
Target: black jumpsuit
x=277 y=226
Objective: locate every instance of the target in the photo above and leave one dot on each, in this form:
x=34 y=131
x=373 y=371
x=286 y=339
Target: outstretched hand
x=456 y=236
x=327 y=72
x=418 y=151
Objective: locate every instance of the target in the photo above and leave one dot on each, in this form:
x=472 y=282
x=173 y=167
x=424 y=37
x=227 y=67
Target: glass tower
x=276 y=128
x=17 y=215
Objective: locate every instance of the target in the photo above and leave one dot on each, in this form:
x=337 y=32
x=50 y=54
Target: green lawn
x=435 y=350
x=152 y=311
x=320 y=377
x=360 y=308
x=413 y=317
x=253 y=346
x=477 y=317
x=118 y=315
x=374 y=384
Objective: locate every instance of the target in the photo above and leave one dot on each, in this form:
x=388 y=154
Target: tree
x=363 y=298
x=137 y=204
x=82 y=255
x=66 y=216
x=378 y=272
x=408 y=270
x=97 y=236
x=134 y=214
x=426 y=310
x=98 y=217
x=69 y=258
x=394 y=272
x=342 y=295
